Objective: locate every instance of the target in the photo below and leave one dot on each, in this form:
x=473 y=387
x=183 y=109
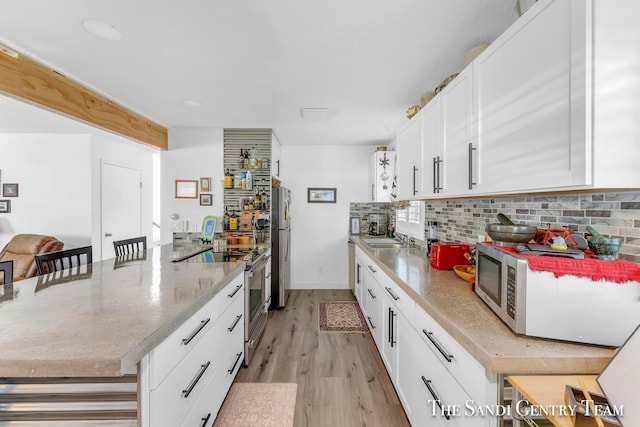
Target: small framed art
x=206 y=199
x=205 y=185
x=5 y=206
x=10 y=190
x=321 y=195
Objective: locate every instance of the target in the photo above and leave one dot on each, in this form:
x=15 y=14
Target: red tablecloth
x=619 y=271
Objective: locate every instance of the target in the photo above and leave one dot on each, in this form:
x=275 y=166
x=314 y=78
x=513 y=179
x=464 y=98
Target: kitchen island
x=101 y=320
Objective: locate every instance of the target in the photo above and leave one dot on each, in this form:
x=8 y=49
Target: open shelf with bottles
x=256 y=143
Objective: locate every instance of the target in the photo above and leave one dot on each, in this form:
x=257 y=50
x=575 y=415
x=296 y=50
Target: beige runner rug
x=258 y=405
x=341 y=316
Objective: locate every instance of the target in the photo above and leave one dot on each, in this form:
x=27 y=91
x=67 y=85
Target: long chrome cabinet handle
x=394 y=296
x=187 y=391
x=370 y=322
x=235 y=322
x=235 y=291
x=415 y=169
x=435 y=396
x=371 y=293
x=441 y=349
x=195 y=332
x=435 y=174
x=439 y=161
x=471 y=150
x=238 y=356
x=205 y=420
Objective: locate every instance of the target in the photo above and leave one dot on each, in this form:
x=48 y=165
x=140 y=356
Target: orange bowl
x=465 y=272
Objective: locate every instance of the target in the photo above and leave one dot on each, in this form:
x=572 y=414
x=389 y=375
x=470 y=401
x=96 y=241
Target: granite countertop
x=108 y=317
x=449 y=300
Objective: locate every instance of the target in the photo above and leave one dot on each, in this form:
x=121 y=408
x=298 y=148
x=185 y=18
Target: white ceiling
x=256 y=63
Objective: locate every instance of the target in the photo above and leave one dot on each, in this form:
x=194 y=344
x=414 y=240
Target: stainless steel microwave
x=501 y=284
x=547 y=305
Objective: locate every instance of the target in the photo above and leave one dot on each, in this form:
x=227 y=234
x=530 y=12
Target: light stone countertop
x=113 y=313
x=449 y=300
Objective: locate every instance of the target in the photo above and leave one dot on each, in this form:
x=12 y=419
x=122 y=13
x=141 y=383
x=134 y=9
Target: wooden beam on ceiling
x=23 y=78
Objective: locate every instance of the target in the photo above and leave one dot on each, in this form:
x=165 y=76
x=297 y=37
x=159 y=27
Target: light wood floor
x=341 y=378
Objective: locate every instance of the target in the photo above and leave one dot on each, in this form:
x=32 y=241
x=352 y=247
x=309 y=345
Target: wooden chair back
x=6 y=272
x=128 y=246
x=62 y=260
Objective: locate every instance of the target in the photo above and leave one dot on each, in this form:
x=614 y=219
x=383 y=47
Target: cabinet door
x=457 y=135
x=432 y=155
x=275 y=156
x=410 y=160
x=527 y=136
x=389 y=336
x=373 y=306
x=405 y=363
x=381 y=175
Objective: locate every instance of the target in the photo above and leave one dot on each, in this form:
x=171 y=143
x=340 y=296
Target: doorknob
x=107 y=234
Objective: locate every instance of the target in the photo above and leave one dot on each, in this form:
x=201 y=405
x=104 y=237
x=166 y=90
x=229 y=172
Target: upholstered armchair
x=22 y=250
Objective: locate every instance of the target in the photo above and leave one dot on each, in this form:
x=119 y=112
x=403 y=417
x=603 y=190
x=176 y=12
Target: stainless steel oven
x=255 y=311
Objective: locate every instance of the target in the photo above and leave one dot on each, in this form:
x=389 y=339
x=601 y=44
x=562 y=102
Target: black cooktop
x=249 y=256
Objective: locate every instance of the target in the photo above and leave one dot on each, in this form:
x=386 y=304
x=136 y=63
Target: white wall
x=54 y=176
x=193 y=153
x=319 y=231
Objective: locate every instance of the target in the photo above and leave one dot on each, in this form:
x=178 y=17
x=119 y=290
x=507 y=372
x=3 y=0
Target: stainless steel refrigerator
x=280 y=246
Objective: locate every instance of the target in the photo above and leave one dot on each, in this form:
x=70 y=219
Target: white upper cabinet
x=409 y=160
x=432 y=149
x=528 y=136
x=275 y=156
x=551 y=105
x=381 y=172
x=456 y=170
x=555 y=98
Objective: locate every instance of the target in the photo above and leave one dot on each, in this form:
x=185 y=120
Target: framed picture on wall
x=10 y=190
x=186 y=189
x=321 y=195
x=206 y=199
x=205 y=185
x=5 y=206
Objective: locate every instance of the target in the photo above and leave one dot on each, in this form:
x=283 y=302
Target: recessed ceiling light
x=192 y=103
x=101 y=29
x=315 y=113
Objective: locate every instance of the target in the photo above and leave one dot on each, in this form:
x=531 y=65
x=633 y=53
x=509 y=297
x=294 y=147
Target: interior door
x=121 y=205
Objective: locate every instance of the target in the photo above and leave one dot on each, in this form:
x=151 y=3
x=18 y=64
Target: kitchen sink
x=383 y=242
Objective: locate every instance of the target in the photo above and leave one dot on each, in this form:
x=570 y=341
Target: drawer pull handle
x=195 y=332
x=235 y=322
x=427 y=383
x=373 y=270
x=205 y=420
x=441 y=349
x=370 y=322
x=238 y=356
x=371 y=293
x=394 y=296
x=186 y=392
x=235 y=291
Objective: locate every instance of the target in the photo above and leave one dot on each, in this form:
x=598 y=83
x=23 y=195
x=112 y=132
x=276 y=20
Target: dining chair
x=62 y=260
x=6 y=267
x=127 y=246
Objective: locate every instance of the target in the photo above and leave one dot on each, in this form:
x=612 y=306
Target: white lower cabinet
x=437 y=381
x=191 y=391
x=373 y=305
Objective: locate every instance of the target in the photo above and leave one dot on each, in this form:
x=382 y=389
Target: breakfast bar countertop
x=102 y=320
x=450 y=301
